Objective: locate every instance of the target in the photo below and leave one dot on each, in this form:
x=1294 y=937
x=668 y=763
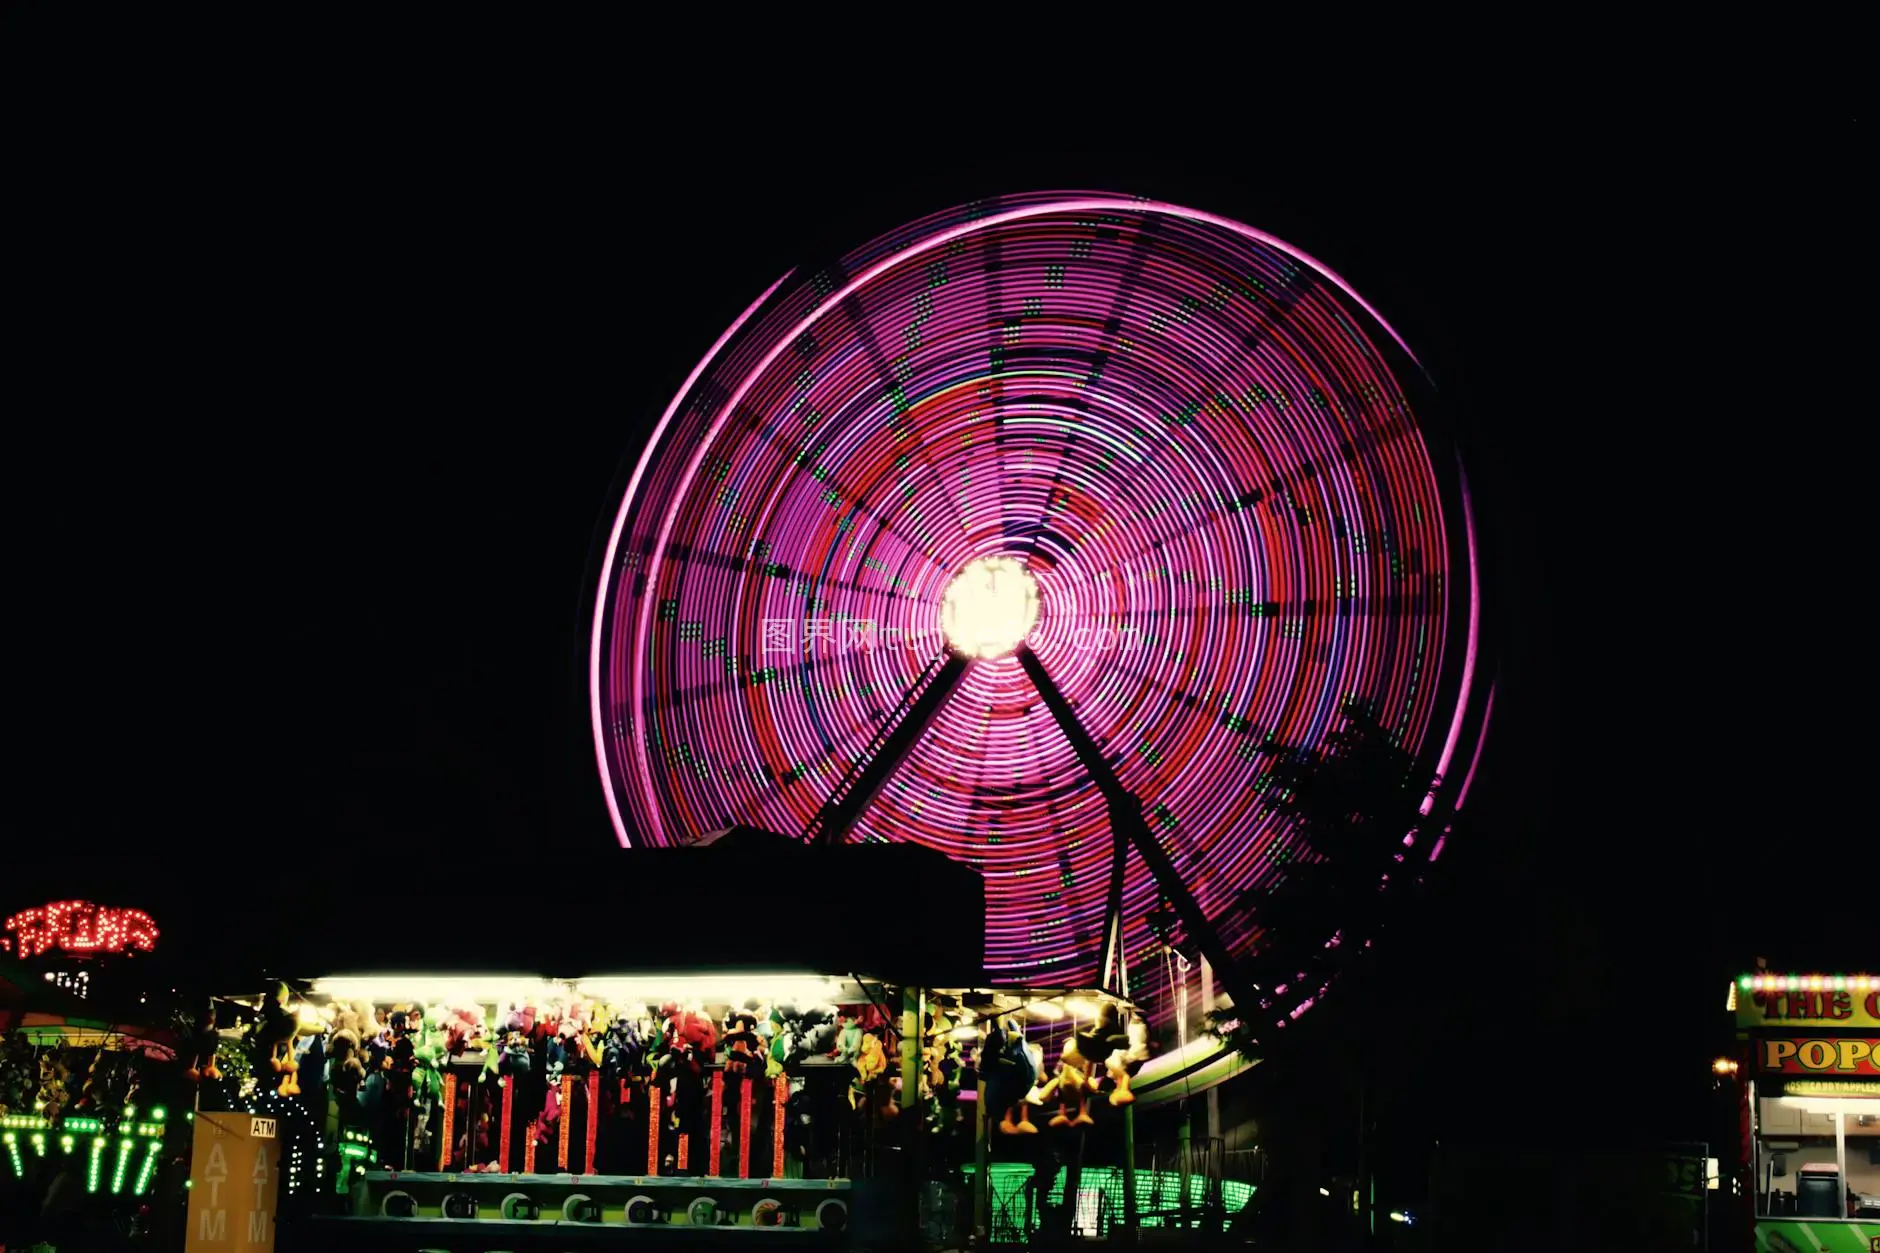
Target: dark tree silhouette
x=1348 y=806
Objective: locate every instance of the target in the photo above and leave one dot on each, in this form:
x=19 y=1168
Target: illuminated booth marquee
x=79 y=928
x=1809 y=1107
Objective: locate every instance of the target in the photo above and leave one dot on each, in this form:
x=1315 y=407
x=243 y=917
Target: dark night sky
x=321 y=413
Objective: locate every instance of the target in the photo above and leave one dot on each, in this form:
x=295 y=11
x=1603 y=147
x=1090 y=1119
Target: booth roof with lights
x=1806 y=1075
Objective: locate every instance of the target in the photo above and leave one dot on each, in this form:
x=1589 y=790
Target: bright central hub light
x=990 y=608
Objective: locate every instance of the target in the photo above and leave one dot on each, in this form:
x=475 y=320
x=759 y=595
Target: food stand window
x=1817 y=1156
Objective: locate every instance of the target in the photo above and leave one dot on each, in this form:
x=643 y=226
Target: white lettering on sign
x=214 y=1174
x=261 y=1129
x=259 y=1231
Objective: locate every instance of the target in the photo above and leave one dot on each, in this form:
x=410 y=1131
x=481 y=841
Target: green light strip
x=13 y=1151
x=149 y=1167
x=123 y=1160
x=96 y=1164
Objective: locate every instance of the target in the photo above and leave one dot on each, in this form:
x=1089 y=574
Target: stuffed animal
x=580 y=1051
x=870 y=1062
x=849 y=1040
x=273 y=1039
x=940 y=1052
x=463 y=1030
x=201 y=1044
x=1123 y=1063
x=551 y=1101
x=310 y=1073
x=1010 y=1072
x=430 y=1045
x=517 y=1058
x=17 y=1075
x=626 y=1055
x=52 y=1096
x=349 y=1017
x=132 y=1078
x=91 y=1078
x=816 y=1035
x=345 y=1071
x=690 y=1041
x=1073 y=1082
x=741 y=1043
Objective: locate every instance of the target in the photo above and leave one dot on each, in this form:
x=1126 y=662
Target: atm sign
x=1833 y=1056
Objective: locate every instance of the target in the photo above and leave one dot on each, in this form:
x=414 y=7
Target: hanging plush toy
x=273 y=1039
x=311 y=1071
x=819 y=1034
x=551 y=1099
x=741 y=1043
x=54 y=1085
x=345 y=1071
x=870 y=1063
x=690 y=1042
x=783 y=1025
x=849 y=1040
x=348 y=1017
x=1124 y=1062
x=202 y=1042
x=16 y=1075
x=88 y=1079
x=513 y=1032
x=1010 y=1073
x=627 y=1053
x=1073 y=1084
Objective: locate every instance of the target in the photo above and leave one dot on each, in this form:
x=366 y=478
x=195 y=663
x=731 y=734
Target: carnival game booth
x=1808 y=1072
x=684 y=1044
x=83 y=1107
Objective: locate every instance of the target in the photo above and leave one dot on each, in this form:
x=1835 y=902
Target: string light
x=123 y=1162
x=149 y=1167
x=1808 y=983
x=13 y=1151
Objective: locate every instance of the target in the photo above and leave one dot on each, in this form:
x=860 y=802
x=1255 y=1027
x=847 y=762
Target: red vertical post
x=685 y=1143
x=744 y=1129
x=446 y=1133
x=528 y=1146
x=567 y=1117
x=653 y=1114
x=780 y=1097
x=718 y=1122
x=509 y=1108
x=593 y=1118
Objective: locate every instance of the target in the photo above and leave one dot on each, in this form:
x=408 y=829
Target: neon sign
x=79 y=927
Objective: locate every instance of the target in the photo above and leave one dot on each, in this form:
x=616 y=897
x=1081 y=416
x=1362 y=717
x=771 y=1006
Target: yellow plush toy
x=870 y=1064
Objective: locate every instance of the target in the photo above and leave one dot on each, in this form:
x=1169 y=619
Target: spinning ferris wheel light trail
x=1031 y=514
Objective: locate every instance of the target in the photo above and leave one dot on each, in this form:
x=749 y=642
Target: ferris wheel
x=1030 y=532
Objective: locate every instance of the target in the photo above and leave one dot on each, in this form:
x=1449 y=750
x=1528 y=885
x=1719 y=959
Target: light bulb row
x=1808 y=983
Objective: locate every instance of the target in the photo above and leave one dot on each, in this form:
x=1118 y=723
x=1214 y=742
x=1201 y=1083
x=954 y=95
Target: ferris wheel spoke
x=1128 y=827
x=893 y=740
